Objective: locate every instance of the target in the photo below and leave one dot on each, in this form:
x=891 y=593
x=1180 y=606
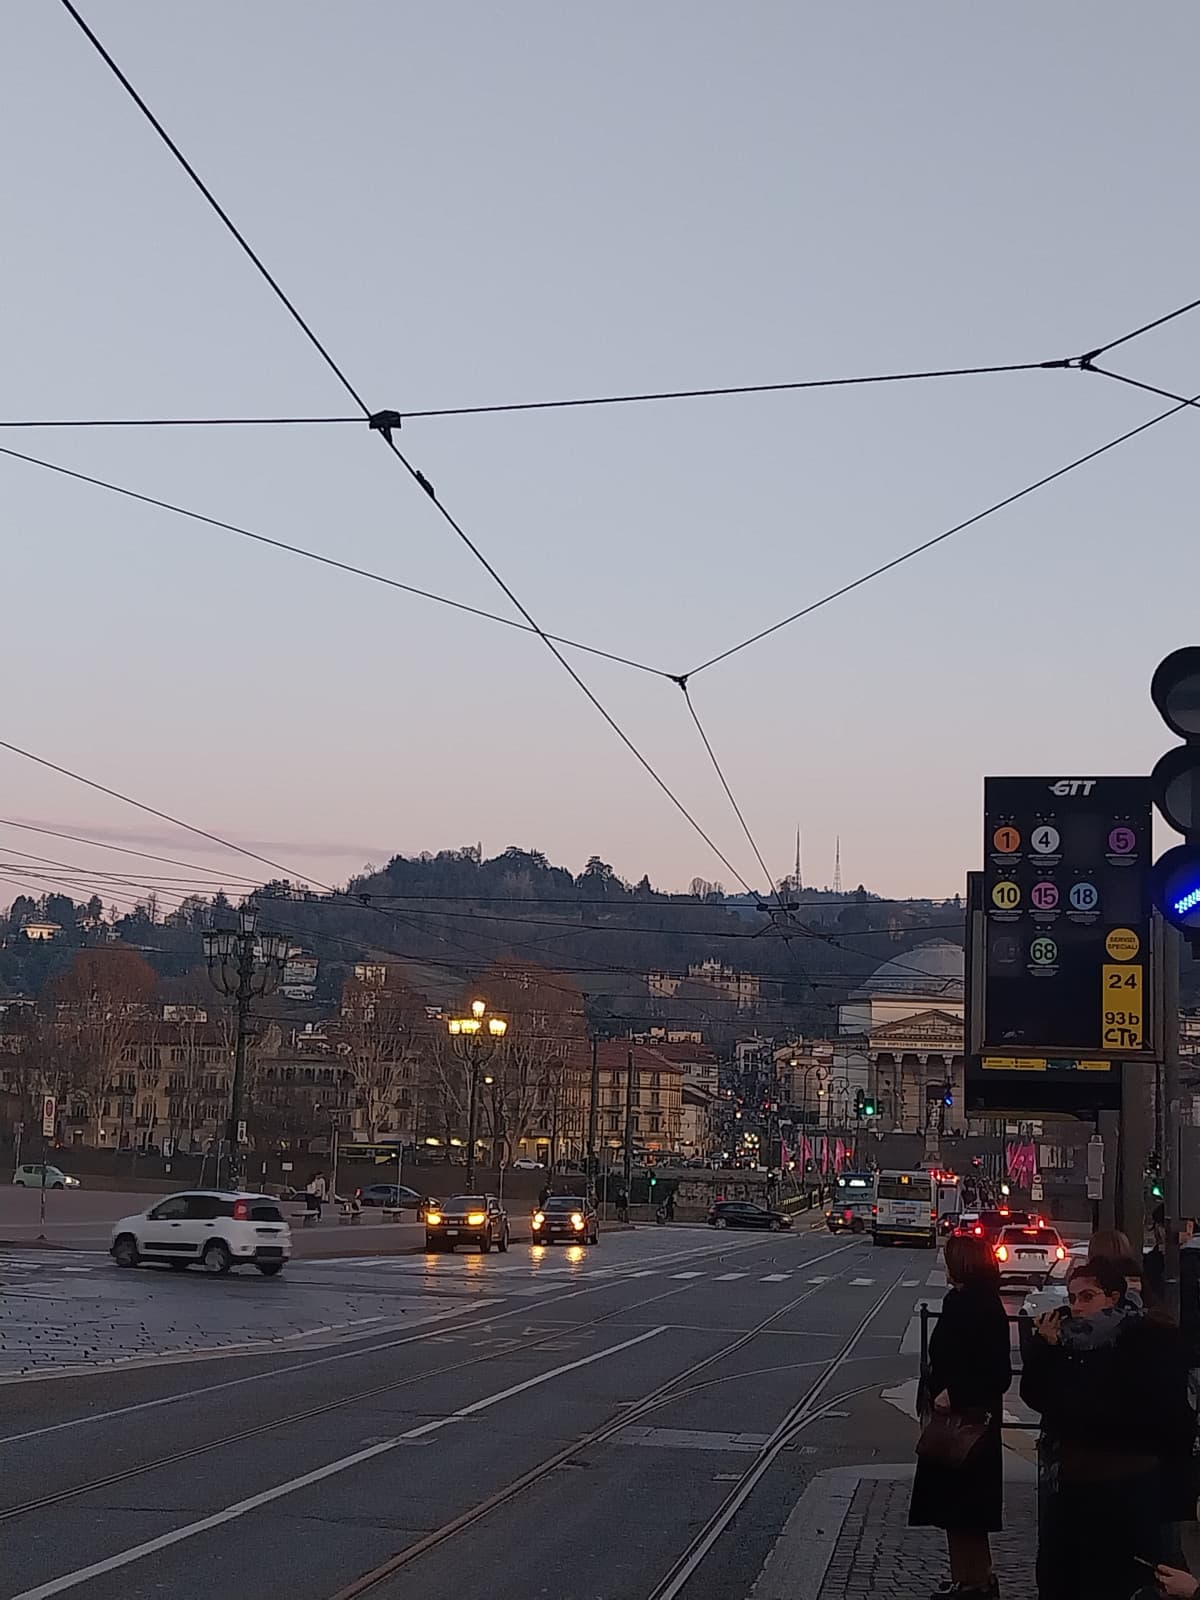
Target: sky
x=475 y=204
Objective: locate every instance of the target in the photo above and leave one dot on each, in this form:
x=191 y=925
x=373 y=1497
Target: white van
x=905 y=1208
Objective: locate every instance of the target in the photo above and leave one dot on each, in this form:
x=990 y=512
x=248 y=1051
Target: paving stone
x=878 y=1554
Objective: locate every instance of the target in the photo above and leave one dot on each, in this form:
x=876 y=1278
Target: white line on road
x=861 y=1283
x=125 y=1558
x=818 y=1280
x=782 y=1277
x=731 y=1277
x=678 y=1275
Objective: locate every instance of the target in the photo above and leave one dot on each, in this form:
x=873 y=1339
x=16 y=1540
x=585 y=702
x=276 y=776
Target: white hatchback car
x=1029 y=1254
x=215 y=1227
x=35 y=1176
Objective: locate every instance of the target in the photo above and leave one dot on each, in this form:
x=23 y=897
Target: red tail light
x=933 y=1213
x=241 y=1211
x=874 y=1211
x=1001 y=1252
x=978 y=1232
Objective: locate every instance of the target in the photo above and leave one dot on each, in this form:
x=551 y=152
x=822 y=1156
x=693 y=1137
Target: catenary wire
x=1136 y=333
x=319 y=557
x=124 y=850
x=385 y=433
x=1137 y=383
x=947 y=533
x=574 y=403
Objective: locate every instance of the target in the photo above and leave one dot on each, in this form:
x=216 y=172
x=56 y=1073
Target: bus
x=852 y=1203
x=905 y=1208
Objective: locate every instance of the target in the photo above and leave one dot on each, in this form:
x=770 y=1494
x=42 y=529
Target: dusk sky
x=476 y=204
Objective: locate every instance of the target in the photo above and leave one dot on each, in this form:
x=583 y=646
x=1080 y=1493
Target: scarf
x=1084 y=1334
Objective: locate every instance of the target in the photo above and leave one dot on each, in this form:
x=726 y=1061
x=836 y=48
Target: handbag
x=949 y=1437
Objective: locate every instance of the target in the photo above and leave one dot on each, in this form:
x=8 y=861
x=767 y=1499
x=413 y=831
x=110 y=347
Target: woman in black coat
x=1115 y=1454
x=969 y=1373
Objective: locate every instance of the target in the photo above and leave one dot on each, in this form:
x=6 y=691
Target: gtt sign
x=1072 y=786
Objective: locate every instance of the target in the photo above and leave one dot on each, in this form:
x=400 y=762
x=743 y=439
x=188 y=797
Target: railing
x=928 y=1316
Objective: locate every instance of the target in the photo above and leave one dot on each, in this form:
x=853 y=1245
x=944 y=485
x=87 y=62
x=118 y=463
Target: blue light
x=1189 y=902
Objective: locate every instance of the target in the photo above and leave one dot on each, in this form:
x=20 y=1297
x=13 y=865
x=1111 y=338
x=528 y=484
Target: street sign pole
x=1172 y=1094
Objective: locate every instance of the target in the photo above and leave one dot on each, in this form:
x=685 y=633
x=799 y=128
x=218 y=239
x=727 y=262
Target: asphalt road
x=612 y=1424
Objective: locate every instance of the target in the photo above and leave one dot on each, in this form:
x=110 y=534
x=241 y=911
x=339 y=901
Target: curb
x=799 y=1559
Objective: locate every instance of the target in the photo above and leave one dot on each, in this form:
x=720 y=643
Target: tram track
x=801 y=1415
x=173 y=1458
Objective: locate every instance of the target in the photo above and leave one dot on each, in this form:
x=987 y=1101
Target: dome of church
x=934 y=969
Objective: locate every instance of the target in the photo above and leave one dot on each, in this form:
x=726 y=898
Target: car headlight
x=433 y=1218
x=476 y=1219
x=576 y=1220
x=538 y=1218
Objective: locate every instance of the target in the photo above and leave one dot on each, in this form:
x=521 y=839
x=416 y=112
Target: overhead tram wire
x=384 y=428
x=124 y=850
x=1085 y=361
x=321 y=559
x=947 y=533
x=789 y=386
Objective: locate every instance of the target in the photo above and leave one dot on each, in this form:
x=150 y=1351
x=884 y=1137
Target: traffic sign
x=49 y=1115
x=1076 y=902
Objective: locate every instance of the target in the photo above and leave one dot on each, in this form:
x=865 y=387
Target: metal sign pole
x=1172 y=1093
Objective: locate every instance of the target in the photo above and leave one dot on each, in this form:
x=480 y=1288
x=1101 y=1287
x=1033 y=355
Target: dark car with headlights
x=477 y=1219
x=745 y=1214
x=565 y=1216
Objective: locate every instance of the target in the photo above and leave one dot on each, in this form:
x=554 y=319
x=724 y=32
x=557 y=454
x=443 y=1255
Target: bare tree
x=97 y=1005
x=381 y=1033
x=538 y=1072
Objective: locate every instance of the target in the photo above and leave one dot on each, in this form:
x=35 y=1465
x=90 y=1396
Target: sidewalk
x=849 y=1539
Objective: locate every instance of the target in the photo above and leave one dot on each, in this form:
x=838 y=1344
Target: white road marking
x=125 y=1558
x=731 y=1277
x=861 y=1283
x=911 y=1283
x=678 y=1275
x=649 y=1274
x=818 y=1280
x=782 y=1277
x=78 y=1269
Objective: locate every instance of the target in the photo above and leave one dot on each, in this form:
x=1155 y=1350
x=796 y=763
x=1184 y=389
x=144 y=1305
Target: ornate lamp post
x=244 y=965
x=475 y=1039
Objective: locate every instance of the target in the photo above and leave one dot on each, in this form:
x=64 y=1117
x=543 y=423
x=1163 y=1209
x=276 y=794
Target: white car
x=1029 y=1253
x=29 y=1176
x=217 y=1228
x=527 y=1164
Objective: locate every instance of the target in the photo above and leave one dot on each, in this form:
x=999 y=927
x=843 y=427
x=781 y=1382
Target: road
x=568 y=1426
x=82 y=1219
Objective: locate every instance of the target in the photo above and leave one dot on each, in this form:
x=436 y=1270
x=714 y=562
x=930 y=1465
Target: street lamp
x=475 y=1039
x=244 y=965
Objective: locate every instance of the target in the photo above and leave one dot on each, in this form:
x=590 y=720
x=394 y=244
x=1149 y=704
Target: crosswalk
x=39 y=1261
x=530 y=1280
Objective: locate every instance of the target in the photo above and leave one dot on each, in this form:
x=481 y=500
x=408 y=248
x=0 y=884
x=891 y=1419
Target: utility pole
x=630 y=1079
x=593 y=1164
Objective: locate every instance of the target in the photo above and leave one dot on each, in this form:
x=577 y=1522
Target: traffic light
x=868 y=1106
x=653 y=1183
x=947 y=1094
x=1175 y=883
x=860 y=1104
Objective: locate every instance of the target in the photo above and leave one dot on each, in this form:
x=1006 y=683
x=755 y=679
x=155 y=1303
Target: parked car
x=565 y=1216
x=218 y=1228
x=467 y=1219
x=394 y=1195
x=29 y=1176
x=746 y=1214
x=527 y=1164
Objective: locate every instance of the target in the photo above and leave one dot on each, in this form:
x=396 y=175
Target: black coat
x=969 y=1358
x=1128 y=1398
